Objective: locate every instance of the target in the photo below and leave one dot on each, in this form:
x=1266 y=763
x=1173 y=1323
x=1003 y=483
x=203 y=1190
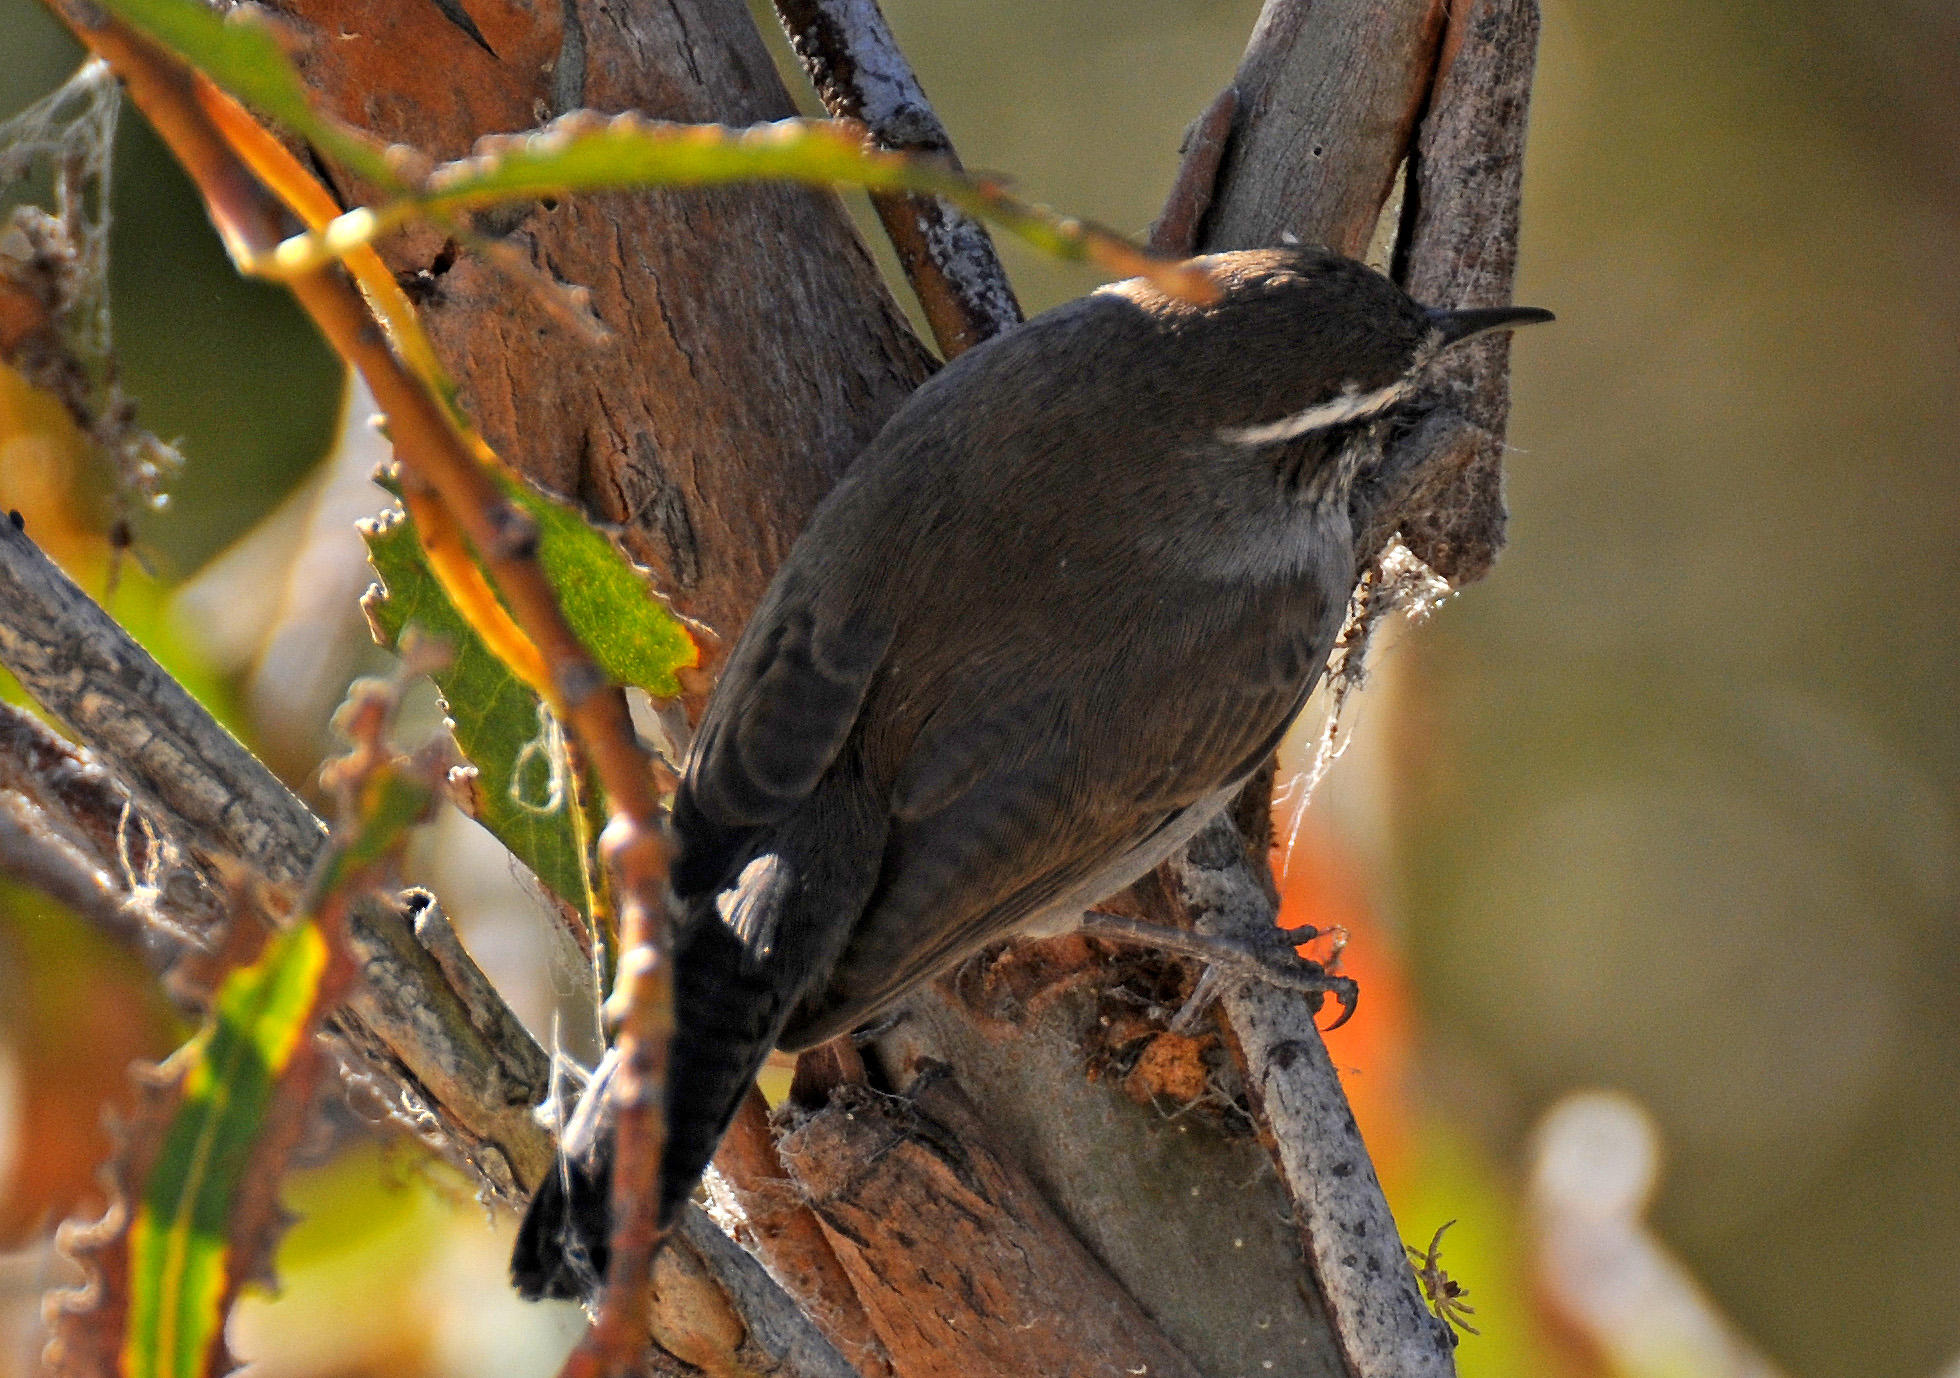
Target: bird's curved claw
x=1346 y=992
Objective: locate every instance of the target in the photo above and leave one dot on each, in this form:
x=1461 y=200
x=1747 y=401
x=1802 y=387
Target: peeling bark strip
x=948 y=257
x=1329 y=93
x=1175 y=230
x=964 y=1269
x=1460 y=248
x=756 y=349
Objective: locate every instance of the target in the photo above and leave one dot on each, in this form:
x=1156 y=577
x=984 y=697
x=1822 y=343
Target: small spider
x=1446 y=1296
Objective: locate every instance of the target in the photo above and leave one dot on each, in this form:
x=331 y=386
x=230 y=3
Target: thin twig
x=948 y=256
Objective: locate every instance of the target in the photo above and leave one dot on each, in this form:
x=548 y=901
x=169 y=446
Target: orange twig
x=217 y=146
x=463 y=582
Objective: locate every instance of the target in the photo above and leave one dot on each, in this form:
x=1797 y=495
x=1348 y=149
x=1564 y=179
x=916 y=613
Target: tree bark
x=756 y=349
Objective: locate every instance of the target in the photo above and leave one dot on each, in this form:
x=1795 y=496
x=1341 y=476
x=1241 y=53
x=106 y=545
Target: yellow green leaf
x=180 y=1266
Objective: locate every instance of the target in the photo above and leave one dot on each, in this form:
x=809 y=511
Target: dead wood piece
x=754 y=1197
x=1329 y=93
x=198 y=787
x=948 y=256
x=961 y=1265
x=822 y=1069
x=708 y=1287
x=1443 y=485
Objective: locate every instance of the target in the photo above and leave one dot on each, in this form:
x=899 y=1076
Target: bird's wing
x=1002 y=825
x=783 y=709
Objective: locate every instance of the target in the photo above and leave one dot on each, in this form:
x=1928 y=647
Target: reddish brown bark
x=964 y=1269
x=756 y=349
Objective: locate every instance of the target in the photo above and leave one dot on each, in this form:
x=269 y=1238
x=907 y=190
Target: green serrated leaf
x=179 y=1248
x=498 y=721
x=636 y=640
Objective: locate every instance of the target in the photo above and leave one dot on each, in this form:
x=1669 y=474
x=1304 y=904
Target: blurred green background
x=1672 y=797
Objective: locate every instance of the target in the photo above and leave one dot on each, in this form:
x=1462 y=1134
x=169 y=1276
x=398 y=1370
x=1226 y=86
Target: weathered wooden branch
x=1345 y=1229
x=461 y=1059
x=146 y=728
x=859 y=73
x=1328 y=96
x=1442 y=489
x=443 y=1050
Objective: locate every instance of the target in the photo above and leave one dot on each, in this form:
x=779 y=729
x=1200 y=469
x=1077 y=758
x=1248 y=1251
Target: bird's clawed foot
x=1270 y=957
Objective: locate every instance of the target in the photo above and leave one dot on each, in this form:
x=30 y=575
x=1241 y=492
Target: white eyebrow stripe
x=1349 y=406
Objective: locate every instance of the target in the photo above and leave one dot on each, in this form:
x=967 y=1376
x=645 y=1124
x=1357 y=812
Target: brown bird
x=1047 y=625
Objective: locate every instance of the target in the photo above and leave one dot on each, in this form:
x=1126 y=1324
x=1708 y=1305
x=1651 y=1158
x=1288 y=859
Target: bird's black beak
x=1458 y=326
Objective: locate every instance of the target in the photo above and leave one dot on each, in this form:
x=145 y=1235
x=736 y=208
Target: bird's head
x=1302 y=353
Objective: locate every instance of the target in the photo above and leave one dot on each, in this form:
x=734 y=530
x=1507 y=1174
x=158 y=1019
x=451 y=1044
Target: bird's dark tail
x=730 y=1010
x=562 y=1243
